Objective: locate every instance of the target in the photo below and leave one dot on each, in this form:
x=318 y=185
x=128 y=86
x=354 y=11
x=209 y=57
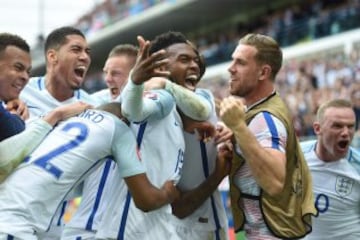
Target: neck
x=258 y=97
x=57 y=89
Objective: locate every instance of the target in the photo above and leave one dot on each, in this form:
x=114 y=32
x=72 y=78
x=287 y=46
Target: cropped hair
x=124 y=49
x=336 y=103
x=8 y=39
x=268 y=51
x=165 y=40
x=58 y=37
x=128 y=50
x=170 y=38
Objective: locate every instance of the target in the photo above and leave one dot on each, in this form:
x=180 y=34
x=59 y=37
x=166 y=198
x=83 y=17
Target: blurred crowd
x=303 y=83
x=306 y=83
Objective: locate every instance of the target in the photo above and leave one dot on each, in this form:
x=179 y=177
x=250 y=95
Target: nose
x=108 y=77
x=85 y=56
x=25 y=76
x=231 y=67
x=346 y=131
x=194 y=64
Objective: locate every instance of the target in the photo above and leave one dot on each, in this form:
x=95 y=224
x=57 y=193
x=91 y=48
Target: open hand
x=147 y=66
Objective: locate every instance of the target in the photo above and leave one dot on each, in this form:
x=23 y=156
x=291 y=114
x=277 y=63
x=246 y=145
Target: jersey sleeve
x=10 y=124
x=125 y=151
x=191 y=104
x=208 y=96
x=139 y=106
x=269 y=131
x=14 y=149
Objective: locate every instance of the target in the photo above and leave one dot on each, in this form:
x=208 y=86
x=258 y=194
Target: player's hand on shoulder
x=65 y=111
x=18 y=107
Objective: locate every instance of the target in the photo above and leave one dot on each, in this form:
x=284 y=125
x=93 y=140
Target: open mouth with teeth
x=191 y=81
x=80 y=71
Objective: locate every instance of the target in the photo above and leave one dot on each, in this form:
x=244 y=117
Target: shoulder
x=157 y=94
x=35 y=80
x=82 y=95
x=307 y=146
x=205 y=93
x=355 y=156
x=267 y=120
x=34 y=84
x=102 y=95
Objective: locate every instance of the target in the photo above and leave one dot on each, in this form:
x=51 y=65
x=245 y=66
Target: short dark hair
x=170 y=38
x=165 y=40
x=57 y=37
x=8 y=39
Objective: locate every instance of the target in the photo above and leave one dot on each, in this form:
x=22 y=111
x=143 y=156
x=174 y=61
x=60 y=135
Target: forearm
x=155 y=199
x=133 y=106
x=14 y=149
x=191 y=200
x=191 y=104
x=266 y=170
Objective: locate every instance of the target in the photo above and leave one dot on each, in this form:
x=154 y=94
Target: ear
x=51 y=56
x=265 y=72
x=317 y=128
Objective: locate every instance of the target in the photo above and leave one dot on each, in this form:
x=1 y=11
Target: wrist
x=53 y=117
x=239 y=126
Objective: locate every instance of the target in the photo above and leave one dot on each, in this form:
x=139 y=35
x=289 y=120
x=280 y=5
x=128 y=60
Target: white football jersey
x=199 y=163
x=336 y=187
x=40 y=101
x=162 y=148
x=102 y=96
x=33 y=192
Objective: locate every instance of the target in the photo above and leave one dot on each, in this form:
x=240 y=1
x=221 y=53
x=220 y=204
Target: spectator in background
x=335 y=168
x=270 y=184
x=355 y=100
